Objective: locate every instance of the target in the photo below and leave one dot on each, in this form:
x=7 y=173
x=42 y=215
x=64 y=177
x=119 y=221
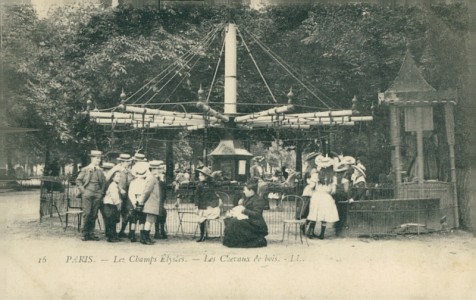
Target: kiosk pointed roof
x=410 y=88
x=409 y=78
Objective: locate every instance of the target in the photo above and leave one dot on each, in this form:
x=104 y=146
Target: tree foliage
x=55 y=65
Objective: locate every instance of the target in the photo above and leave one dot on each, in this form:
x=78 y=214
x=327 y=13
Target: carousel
x=425 y=203
x=230 y=156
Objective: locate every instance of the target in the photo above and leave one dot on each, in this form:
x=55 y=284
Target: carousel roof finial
x=200 y=93
x=290 y=96
x=354 y=106
x=123 y=96
x=89 y=104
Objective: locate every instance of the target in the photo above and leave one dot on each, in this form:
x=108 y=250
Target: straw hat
x=156 y=164
x=107 y=166
x=139 y=157
x=140 y=169
x=95 y=153
x=124 y=157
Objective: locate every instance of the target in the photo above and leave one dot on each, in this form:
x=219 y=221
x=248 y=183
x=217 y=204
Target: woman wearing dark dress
x=247 y=228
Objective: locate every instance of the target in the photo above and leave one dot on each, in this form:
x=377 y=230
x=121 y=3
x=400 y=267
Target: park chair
x=186 y=215
x=74 y=208
x=291 y=208
x=51 y=193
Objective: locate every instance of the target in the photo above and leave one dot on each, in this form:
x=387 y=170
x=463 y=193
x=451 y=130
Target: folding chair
x=186 y=215
x=292 y=207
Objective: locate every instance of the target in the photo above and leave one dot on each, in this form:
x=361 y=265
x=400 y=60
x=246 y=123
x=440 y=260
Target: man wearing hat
x=91 y=182
x=157 y=167
x=139 y=157
x=124 y=166
x=151 y=198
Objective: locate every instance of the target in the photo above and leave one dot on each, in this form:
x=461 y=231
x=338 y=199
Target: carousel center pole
x=230 y=70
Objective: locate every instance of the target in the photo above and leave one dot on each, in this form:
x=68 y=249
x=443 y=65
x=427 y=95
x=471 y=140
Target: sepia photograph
x=237 y=149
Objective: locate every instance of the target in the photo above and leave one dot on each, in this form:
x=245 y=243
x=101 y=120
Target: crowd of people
x=327 y=180
x=133 y=193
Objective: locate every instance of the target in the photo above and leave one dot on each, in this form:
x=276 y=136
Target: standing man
x=92 y=185
x=160 y=232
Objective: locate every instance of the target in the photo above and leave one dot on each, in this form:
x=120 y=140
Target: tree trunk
x=169 y=161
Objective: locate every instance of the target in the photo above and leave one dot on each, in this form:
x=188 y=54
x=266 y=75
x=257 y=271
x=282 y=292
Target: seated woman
x=250 y=232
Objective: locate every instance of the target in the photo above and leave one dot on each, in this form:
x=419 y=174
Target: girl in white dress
x=322 y=207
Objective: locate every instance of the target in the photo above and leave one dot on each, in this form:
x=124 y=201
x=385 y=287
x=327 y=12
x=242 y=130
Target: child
x=136 y=190
x=112 y=207
x=206 y=200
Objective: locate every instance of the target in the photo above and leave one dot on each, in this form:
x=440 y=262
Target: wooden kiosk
x=412 y=99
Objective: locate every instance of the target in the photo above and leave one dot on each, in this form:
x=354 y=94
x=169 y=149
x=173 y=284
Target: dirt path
x=40 y=261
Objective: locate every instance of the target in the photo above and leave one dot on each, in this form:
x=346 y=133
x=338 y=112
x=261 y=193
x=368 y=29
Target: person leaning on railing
x=358 y=183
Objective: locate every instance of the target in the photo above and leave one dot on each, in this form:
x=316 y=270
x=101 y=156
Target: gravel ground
x=41 y=261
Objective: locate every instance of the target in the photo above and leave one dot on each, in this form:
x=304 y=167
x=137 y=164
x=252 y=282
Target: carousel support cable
x=187 y=53
x=178 y=84
x=177 y=72
x=216 y=71
x=188 y=58
x=257 y=67
x=168 y=81
x=288 y=69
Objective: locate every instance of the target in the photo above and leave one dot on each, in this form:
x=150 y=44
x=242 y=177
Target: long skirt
x=244 y=234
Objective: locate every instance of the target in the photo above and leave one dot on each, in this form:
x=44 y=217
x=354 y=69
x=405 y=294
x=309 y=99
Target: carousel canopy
x=136 y=110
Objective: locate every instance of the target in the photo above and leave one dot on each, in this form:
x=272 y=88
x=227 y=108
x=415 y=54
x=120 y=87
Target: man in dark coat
x=91 y=182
